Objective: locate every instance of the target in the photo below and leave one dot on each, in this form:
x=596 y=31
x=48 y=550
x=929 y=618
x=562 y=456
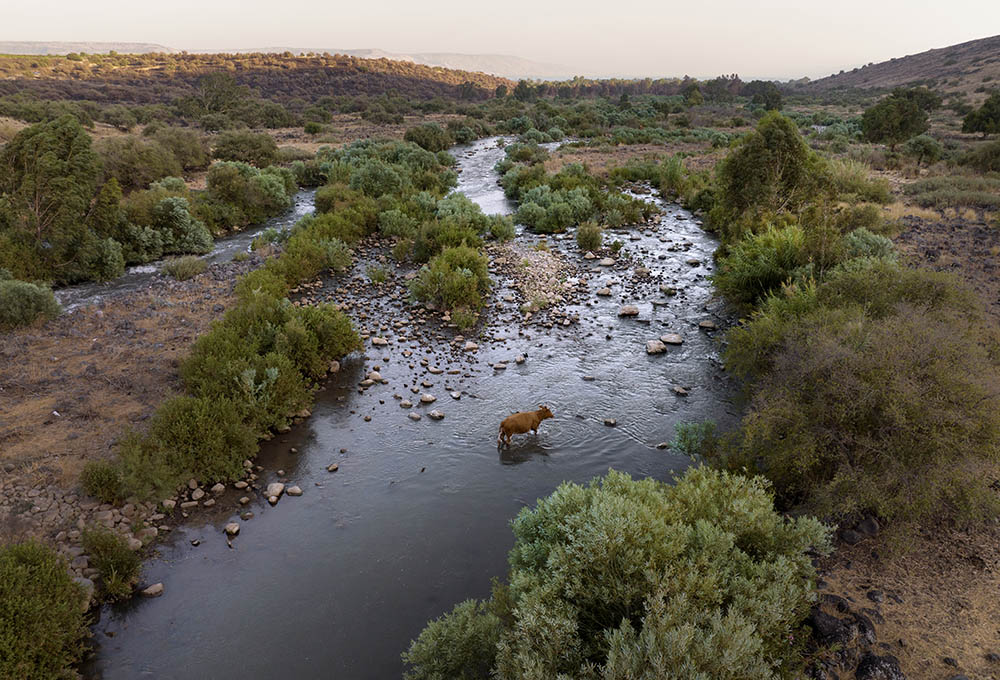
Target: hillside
x=48 y=47
x=160 y=77
x=503 y=65
x=958 y=69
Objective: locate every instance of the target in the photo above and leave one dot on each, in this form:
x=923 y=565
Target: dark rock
x=876 y=596
x=839 y=603
x=851 y=537
x=868 y=526
x=993 y=657
x=950 y=661
x=828 y=628
x=874 y=615
x=874 y=667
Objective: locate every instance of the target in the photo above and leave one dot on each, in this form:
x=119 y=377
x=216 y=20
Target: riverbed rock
x=628 y=310
x=435 y=415
x=374 y=376
x=470 y=346
x=379 y=341
x=275 y=489
x=590 y=256
x=604 y=292
x=332 y=467
x=218 y=488
x=406 y=403
x=334 y=367
x=169 y=504
x=294 y=490
x=414 y=416
x=154 y=590
x=426 y=398
x=671 y=339
x=456 y=395
x=232 y=529
x=610 y=422
x=134 y=544
x=87 y=586
x=197 y=494
x=680 y=391
x=606 y=262
x=655 y=347
x=708 y=325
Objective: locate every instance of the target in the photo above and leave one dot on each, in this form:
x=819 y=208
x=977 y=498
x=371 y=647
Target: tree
x=926 y=99
x=985 y=119
x=524 y=92
x=924 y=147
x=893 y=120
x=255 y=148
x=763 y=93
x=500 y=92
x=692 y=95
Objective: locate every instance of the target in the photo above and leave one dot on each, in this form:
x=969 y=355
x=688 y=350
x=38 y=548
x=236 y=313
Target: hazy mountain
x=962 y=68
x=48 y=47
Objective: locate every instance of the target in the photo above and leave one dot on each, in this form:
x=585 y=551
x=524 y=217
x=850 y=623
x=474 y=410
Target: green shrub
x=313 y=128
x=760 y=263
x=377 y=274
x=956 y=192
x=107 y=260
x=589 y=236
x=110 y=555
x=628 y=579
x=136 y=162
x=24 y=303
x=187 y=146
x=430 y=136
x=924 y=148
x=435 y=236
x=243 y=146
x=863 y=243
x=985 y=158
x=42 y=623
x=103 y=481
x=262 y=282
x=501 y=228
x=456 y=278
x=852 y=180
x=183 y=268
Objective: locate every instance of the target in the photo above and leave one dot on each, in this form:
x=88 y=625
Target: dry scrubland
x=73 y=385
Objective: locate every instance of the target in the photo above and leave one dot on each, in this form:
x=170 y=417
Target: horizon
x=772 y=42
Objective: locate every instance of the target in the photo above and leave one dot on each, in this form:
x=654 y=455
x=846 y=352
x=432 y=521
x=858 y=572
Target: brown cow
x=520 y=423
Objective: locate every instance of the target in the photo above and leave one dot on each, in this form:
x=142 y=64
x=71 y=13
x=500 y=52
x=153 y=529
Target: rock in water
x=671 y=339
x=655 y=347
x=275 y=489
x=154 y=590
x=436 y=415
x=628 y=310
x=294 y=491
x=232 y=529
x=427 y=398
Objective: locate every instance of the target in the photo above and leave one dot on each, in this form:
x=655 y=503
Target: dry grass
x=948 y=583
x=101 y=370
x=899 y=210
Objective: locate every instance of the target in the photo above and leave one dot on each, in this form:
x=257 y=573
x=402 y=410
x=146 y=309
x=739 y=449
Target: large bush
x=244 y=146
x=118 y=565
x=430 y=136
x=136 y=162
x=760 y=263
x=454 y=279
x=628 y=579
x=42 y=623
x=24 y=303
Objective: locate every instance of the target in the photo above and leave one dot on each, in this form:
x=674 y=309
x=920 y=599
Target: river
x=336 y=583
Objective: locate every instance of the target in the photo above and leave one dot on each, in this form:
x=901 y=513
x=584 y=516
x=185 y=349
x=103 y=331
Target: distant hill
x=503 y=65
x=959 y=69
x=163 y=77
x=27 y=47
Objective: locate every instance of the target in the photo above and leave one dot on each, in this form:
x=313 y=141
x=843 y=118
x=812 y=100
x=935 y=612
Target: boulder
x=154 y=590
x=275 y=489
x=628 y=310
x=671 y=339
x=655 y=347
x=232 y=529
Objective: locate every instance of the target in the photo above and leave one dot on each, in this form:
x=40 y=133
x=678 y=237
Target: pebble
x=294 y=491
x=332 y=467
x=435 y=415
x=610 y=422
x=470 y=346
x=406 y=403
x=154 y=590
x=427 y=398
x=708 y=325
x=218 y=488
x=680 y=392
x=232 y=529
x=275 y=489
x=671 y=339
x=456 y=395
x=414 y=416
x=628 y=310
x=607 y=262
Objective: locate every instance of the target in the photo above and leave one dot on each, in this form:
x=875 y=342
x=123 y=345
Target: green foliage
x=253 y=148
x=696 y=439
x=894 y=120
x=261 y=282
x=455 y=278
x=589 y=236
x=924 y=148
x=985 y=119
x=760 y=263
x=187 y=146
x=247 y=195
x=184 y=268
x=135 y=162
x=180 y=232
x=985 y=158
x=24 y=303
x=770 y=171
x=955 y=191
x=42 y=622
x=430 y=136
x=631 y=579
x=852 y=181
x=458 y=646
x=103 y=481
x=109 y=553
x=106 y=260
x=863 y=243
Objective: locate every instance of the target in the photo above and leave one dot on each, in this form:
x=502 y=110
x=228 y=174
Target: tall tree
x=985 y=119
x=893 y=120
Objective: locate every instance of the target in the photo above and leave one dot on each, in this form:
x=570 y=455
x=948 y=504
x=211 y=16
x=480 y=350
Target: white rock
x=471 y=346
x=154 y=590
x=708 y=325
x=604 y=292
x=456 y=395
x=294 y=491
x=197 y=495
x=414 y=416
x=134 y=544
x=169 y=504
x=218 y=488
x=232 y=529
x=606 y=262
x=628 y=310
x=379 y=342
x=680 y=391
x=275 y=489
x=427 y=398
x=436 y=415
x=671 y=339
x=375 y=376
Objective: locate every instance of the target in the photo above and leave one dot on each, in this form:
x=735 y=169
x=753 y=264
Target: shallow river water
x=336 y=583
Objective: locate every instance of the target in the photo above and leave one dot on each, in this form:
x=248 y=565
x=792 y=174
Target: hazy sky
x=640 y=38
